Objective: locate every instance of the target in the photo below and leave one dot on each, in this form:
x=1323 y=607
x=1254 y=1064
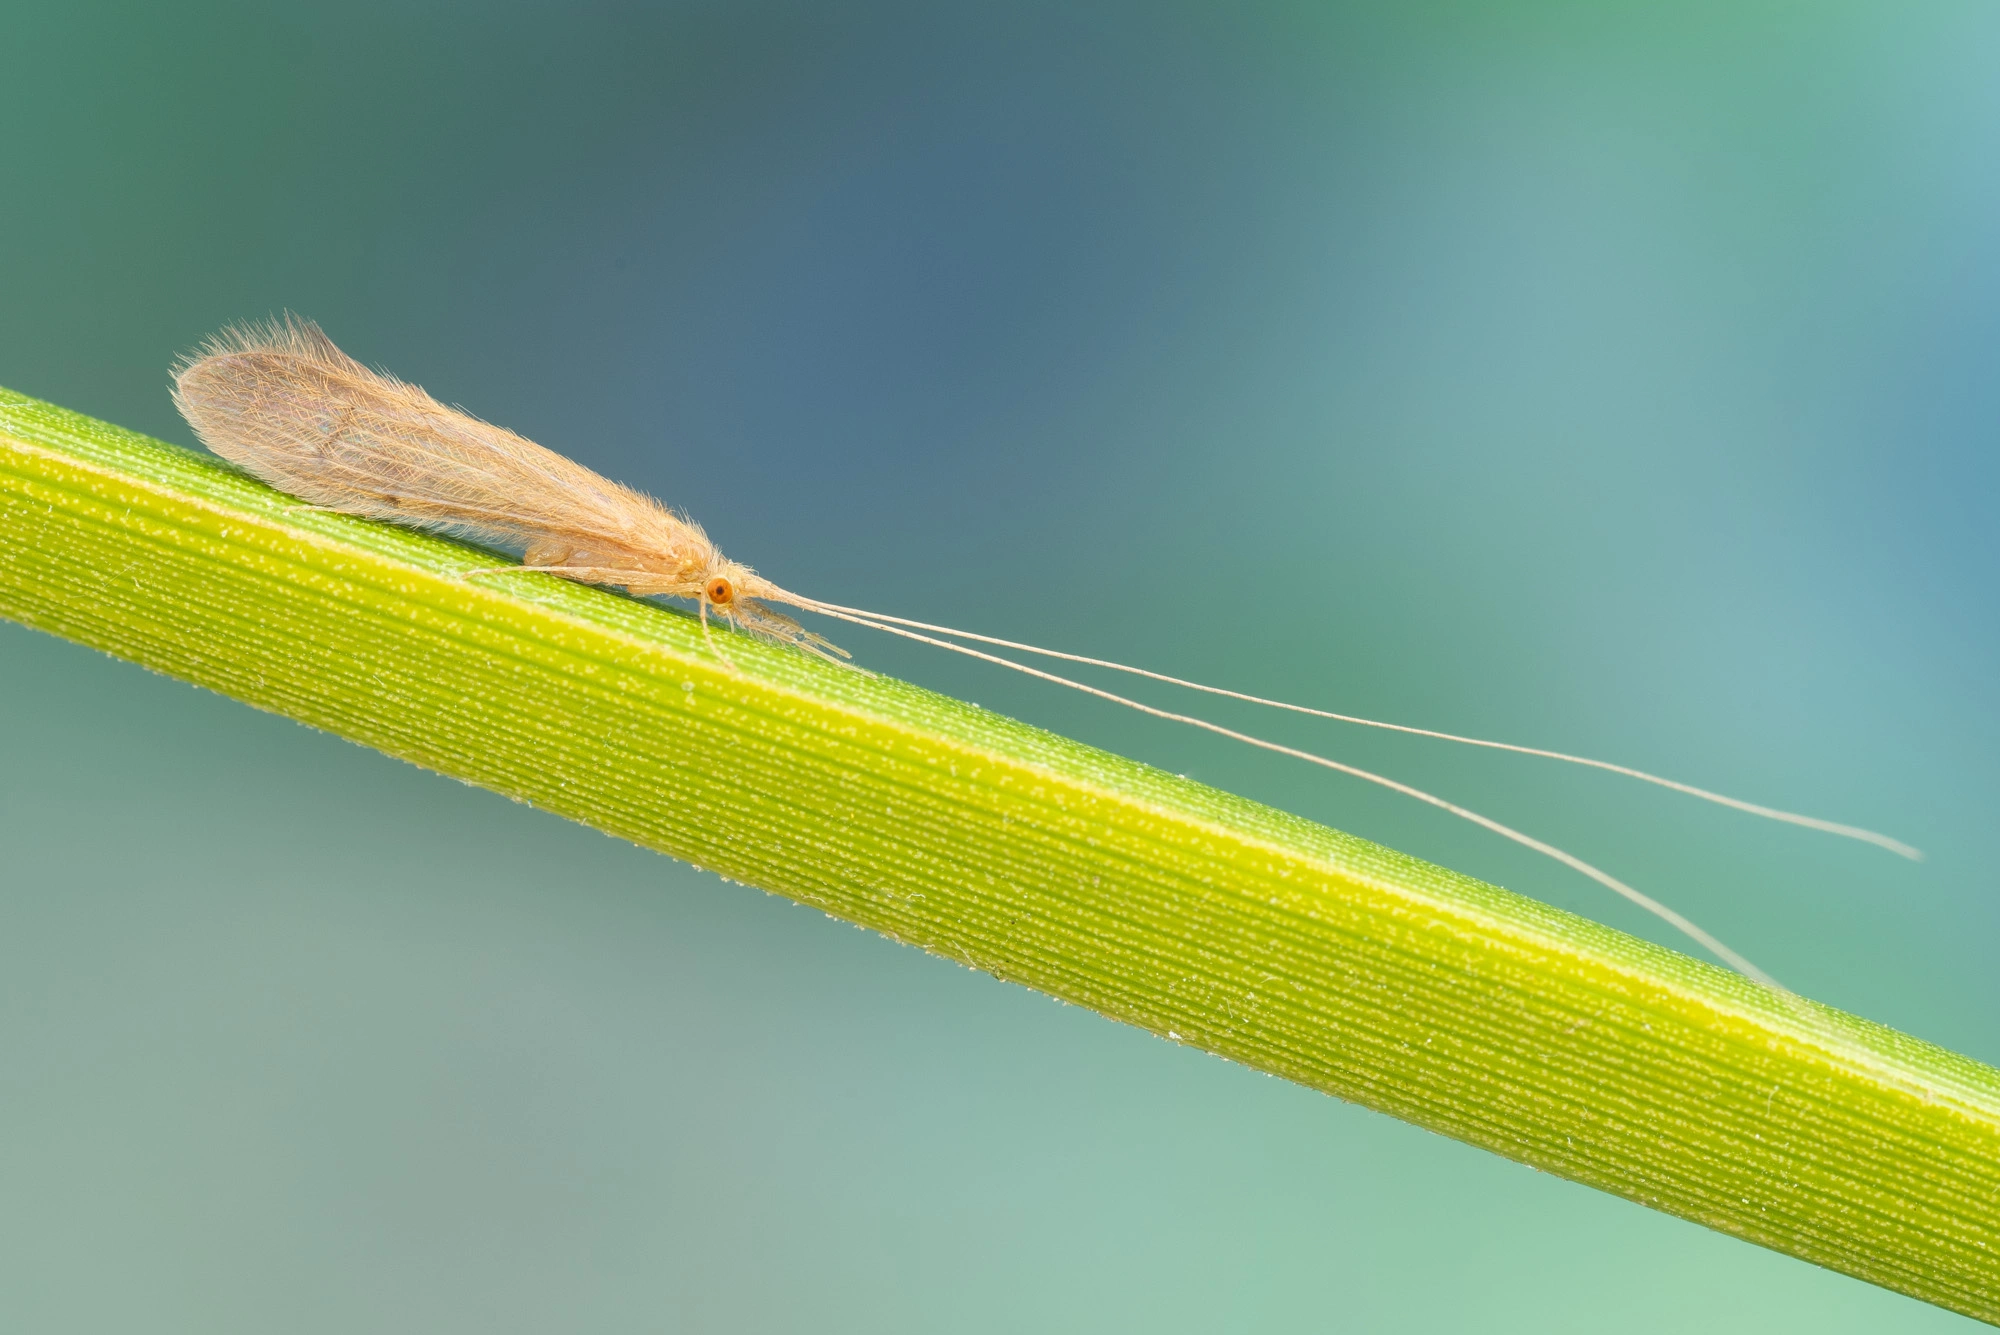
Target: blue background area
x=1618 y=378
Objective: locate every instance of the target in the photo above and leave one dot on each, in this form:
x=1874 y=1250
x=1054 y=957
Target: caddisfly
x=283 y=402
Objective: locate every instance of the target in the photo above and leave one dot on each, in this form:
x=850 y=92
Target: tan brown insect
x=282 y=401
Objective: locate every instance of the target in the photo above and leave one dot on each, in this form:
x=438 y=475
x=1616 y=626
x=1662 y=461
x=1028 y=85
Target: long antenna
x=1570 y=860
x=1893 y=845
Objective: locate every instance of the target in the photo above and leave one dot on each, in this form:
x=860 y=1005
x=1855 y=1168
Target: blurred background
x=1611 y=377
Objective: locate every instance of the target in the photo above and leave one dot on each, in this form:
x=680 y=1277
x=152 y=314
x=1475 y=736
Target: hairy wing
x=283 y=402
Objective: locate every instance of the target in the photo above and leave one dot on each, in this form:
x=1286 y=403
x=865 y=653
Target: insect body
x=282 y=401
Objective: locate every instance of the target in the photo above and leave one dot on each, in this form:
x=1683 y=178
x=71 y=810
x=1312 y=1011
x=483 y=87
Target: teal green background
x=1618 y=378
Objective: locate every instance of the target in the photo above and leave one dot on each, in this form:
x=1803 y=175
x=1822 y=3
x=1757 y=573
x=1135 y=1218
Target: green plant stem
x=1212 y=920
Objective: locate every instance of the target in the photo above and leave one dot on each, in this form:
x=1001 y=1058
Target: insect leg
x=709 y=635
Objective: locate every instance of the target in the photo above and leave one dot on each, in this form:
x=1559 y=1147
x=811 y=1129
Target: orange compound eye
x=721 y=592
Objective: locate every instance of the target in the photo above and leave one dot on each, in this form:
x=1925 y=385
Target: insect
x=283 y=402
